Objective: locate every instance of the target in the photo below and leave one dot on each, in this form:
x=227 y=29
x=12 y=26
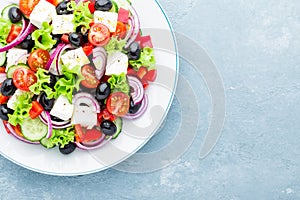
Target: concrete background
x=255 y=46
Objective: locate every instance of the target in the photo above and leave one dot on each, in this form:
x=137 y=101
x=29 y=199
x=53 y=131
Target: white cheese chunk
x=62 y=24
x=14 y=56
x=85 y=116
x=13 y=99
x=109 y=19
x=62 y=108
x=75 y=57
x=42 y=12
x=117 y=63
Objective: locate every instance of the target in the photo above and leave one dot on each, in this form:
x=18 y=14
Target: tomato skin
x=3 y=99
x=83 y=135
x=26 y=6
x=91 y=7
x=106 y=115
x=88 y=49
x=65 y=38
x=38 y=59
x=14 y=33
x=24 y=78
x=99 y=35
x=151 y=75
x=141 y=72
x=2 y=69
x=5 y=126
x=120 y=30
x=123 y=15
x=118 y=103
x=35 y=110
x=54 y=2
x=90 y=79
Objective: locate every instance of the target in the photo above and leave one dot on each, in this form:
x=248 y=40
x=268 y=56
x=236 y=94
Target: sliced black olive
x=108 y=127
x=57 y=38
x=62 y=8
x=68 y=148
x=8 y=88
x=103 y=91
x=76 y=39
x=52 y=81
x=103 y=5
x=133 y=108
x=53 y=118
x=134 y=51
x=28 y=43
x=4 y=111
x=14 y=14
x=46 y=102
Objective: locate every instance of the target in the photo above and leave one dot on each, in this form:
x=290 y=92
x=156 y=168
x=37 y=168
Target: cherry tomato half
x=38 y=59
x=118 y=103
x=99 y=35
x=24 y=78
x=90 y=79
x=26 y=6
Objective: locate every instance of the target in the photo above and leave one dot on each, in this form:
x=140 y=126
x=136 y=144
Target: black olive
x=56 y=119
x=68 y=148
x=4 y=111
x=28 y=43
x=46 y=102
x=133 y=108
x=76 y=39
x=8 y=88
x=103 y=5
x=102 y=91
x=14 y=14
x=52 y=81
x=108 y=127
x=134 y=51
x=57 y=38
x=62 y=8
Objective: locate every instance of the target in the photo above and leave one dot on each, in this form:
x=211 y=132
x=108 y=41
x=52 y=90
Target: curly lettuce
x=114 y=45
x=81 y=13
x=42 y=84
x=61 y=137
x=42 y=37
x=22 y=107
x=146 y=59
x=118 y=83
x=5 y=26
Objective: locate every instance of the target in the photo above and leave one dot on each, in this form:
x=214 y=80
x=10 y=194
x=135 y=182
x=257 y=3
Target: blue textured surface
x=255 y=46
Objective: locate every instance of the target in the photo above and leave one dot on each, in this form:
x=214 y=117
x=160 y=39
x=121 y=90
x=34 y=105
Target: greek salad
x=71 y=71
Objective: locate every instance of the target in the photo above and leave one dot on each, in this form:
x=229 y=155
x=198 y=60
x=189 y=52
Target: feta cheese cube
x=117 y=63
x=62 y=108
x=13 y=99
x=85 y=116
x=75 y=57
x=42 y=12
x=109 y=19
x=62 y=24
x=15 y=55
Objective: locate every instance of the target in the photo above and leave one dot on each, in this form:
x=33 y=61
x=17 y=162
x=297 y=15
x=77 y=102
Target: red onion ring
x=49 y=134
x=2 y=77
x=136 y=29
x=68 y=46
x=26 y=31
x=141 y=111
x=83 y=147
x=131 y=25
x=54 y=55
x=21 y=57
x=56 y=125
x=13 y=132
x=137 y=90
x=84 y=95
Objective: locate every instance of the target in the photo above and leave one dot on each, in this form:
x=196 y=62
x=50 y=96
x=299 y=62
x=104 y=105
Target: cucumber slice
x=47 y=143
x=12 y=69
x=119 y=123
x=5 y=11
x=2 y=56
x=34 y=129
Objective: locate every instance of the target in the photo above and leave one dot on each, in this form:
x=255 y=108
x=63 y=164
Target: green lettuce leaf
x=5 y=26
x=118 y=83
x=42 y=37
x=22 y=107
x=42 y=84
x=114 y=45
x=146 y=60
x=81 y=13
x=62 y=137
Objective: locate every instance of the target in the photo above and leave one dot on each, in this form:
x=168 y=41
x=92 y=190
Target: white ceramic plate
x=135 y=133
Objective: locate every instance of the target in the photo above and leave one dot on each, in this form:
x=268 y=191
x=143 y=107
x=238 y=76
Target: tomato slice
x=26 y=6
x=99 y=34
x=118 y=103
x=38 y=59
x=91 y=6
x=35 y=110
x=123 y=15
x=106 y=115
x=3 y=99
x=120 y=30
x=83 y=135
x=151 y=75
x=14 y=33
x=54 y=2
x=141 y=72
x=88 y=49
x=90 y=79
x=24 y=78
